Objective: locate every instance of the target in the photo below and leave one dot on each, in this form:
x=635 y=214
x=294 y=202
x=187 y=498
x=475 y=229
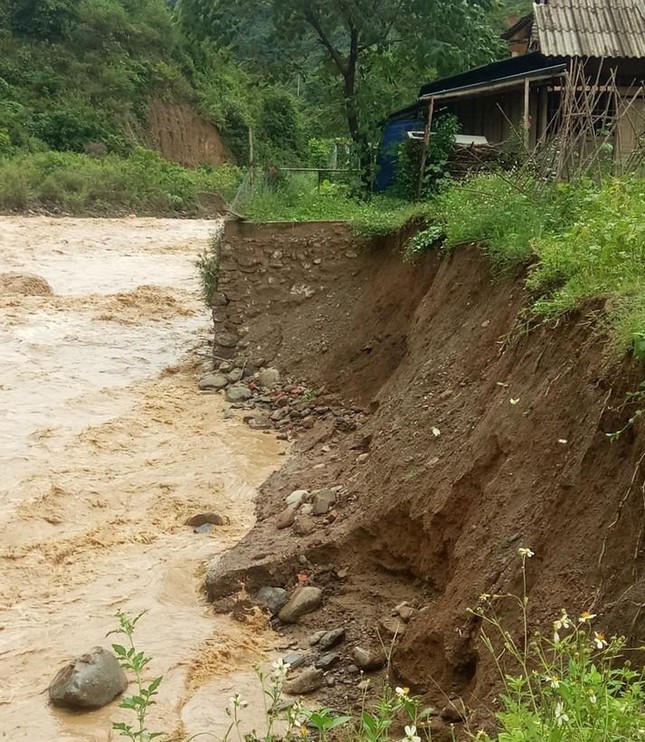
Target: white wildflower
x=553 y=681
x=560 y=717
x=436 y=432
x=280 y=671
x=411 y=734
x=235 y=702
x=525 y=552
x=599 y=640
x=402 y=692
x=585 y=617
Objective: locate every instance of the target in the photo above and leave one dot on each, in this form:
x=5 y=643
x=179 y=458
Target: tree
x=357 y=40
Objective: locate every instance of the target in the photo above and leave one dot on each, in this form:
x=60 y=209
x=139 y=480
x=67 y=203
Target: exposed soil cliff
x=481 y=437
x=185 y=137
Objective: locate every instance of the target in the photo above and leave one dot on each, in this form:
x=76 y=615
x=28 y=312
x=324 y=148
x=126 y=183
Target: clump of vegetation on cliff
x=580 y=241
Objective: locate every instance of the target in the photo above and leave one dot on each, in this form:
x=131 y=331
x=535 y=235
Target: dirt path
x=103 y=459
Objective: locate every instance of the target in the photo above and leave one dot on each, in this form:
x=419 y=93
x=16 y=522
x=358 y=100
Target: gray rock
x=308 y=681
x=295 y=660
x=332 y=638
x=269 y=378
x=322 y=501
x=304 y=600
x=272 y=598
x=235 y=375
x=213 y=381
x=238 y=393
x=225 y=367
x=306 y=509
x=315 y=638
x=258 y=422
x=327 y=661
x=367 y=660
x=214 y=519
x=89 y=681
x=296 y=498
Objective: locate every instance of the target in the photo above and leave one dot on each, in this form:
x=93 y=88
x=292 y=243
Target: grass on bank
x=298 y=198
x=581 y=241
x=578 y=241
x=78 y=184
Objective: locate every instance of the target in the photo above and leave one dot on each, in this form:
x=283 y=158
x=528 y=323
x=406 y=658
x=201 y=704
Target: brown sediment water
x=104 y=455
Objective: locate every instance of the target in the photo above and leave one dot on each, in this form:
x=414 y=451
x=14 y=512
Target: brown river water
x=106 y=447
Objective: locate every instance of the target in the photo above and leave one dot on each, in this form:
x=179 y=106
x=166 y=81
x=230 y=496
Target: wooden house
x=596 y=45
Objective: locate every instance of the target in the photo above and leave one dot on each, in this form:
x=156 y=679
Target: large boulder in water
x=24 y=284
x=89 y=681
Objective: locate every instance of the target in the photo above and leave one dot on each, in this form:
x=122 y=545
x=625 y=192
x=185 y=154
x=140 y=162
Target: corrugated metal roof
x=590 y=28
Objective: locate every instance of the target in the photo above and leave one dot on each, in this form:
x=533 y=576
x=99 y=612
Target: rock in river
x=89 y=681
x=304 y=600
x=202 y=519
x=213 y=381
x=273 y=598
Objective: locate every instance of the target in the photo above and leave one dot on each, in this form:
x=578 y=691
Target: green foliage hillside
x=80 y=72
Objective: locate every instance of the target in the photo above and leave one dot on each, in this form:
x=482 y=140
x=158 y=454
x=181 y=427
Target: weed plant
x=574 y=684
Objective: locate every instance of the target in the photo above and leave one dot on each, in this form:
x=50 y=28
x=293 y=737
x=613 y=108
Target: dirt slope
x=183 y=136
x=481 y=438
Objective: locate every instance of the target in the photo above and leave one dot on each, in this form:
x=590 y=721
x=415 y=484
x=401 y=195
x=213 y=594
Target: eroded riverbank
x=104 y=457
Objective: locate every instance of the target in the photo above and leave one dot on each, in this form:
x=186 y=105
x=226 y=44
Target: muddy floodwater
x=106 y=447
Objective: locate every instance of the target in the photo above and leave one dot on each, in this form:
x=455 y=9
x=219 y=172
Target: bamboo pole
x=527 y=114
x=426 y=143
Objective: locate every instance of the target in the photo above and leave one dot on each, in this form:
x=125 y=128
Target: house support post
x=426 y=143
x=527 y=114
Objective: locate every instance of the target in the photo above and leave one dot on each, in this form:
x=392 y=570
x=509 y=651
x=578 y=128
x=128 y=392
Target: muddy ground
x=469 y=435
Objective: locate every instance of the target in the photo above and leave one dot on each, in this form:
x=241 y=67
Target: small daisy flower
x=525 y=553
x=599 y=640
x=560 y=717
x=402 y=692
x=280 y=671
x=411 y=735
x=585 y=617
x=553 y=681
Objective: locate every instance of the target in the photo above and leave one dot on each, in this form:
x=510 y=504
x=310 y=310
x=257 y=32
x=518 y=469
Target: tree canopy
x=371 y=53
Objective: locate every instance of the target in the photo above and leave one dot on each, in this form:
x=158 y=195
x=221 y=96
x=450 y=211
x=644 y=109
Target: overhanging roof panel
x=590 y=28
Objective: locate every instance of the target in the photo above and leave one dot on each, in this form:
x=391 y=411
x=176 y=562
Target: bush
x=79 y=184
x=442 y=144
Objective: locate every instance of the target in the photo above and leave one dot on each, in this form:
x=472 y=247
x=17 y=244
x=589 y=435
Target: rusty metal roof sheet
x=590 y=28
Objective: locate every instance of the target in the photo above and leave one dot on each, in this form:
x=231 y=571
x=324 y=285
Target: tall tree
x=356 y=40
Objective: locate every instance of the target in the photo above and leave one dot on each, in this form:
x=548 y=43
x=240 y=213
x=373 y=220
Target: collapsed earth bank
x=455 y=434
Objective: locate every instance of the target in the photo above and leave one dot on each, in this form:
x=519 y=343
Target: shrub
x=143 y=183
